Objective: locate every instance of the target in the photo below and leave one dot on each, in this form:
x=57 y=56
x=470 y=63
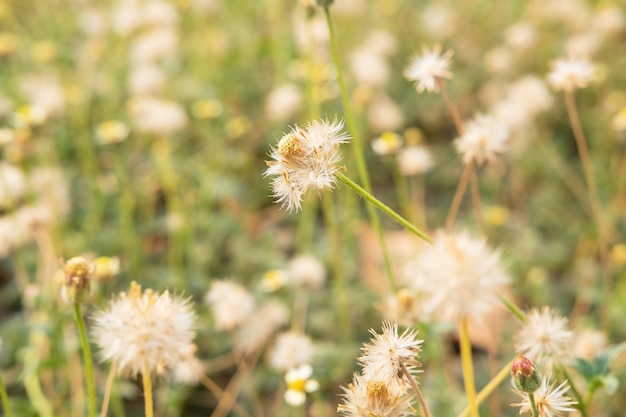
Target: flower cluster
x=306 y=158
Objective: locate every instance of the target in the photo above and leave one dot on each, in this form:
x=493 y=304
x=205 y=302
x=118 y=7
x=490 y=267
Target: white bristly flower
x=570 y=74
x=415 y=160
x=306 y=271
x=458 y=276
x=388 y=354
x=299 y=383
x=545 y=338
x=550 y=401
x=306 y=158
x=482 y=141
x=427 y=68
x=291 y=350
x=366 y=397
x=145 y=329
x=231 y=304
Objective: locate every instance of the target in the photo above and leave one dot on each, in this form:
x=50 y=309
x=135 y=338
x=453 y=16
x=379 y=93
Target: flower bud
x=524 y=375
x=77 y=276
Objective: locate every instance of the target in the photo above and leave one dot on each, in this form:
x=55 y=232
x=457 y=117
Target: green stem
x=5 y=398
x=147 y=390
x=358 y=151
x=383 y=207
x=91 y=388
x=468 y=369
x=490 y=387
x=513 y=308
x=533 y=405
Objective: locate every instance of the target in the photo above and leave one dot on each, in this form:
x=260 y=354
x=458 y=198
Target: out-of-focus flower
x=207 y=109
x=401 y=307
x=429 y=68
x=570 y=73
x=439 y=20
x=12 y=185
x=306 y=271
x=283 y=102
x=521 y=36
x=550 y=401
x=8 y=43
x=189 y=371
x=588 y=343
x=28 y=116
x=497 y=216
x=369 y=66
x=483 y=140
x=618 y=122
x=299 y=383
x=156 y=116
x=146 y=80
x=387 y=143
x=545 y=338
x=106 y=267
x=254 y=333
x=291 y=350
x=458 y=276
x=145 y=332
x=111 y=131
x=44 y=51
x=153 y=45
x=231 y=304
x=389 y=354
x=383 y=113
x=415 y=160
x=44 y=92
x=238 y=126
x=371 y=397
x=305 y=158
x=274 y=280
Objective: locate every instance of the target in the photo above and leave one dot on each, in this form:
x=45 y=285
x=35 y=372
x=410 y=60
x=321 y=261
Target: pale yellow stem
x=417 y=391
x=454 y=112
x=458 y=195
x=489 y=388
x=147 y=390
x=107 y=390
x=468 y=369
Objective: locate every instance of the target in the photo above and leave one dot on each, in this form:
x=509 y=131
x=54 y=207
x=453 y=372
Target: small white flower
x=299 y=384
x=306 y=271
x=482 y=141
x=427 y=68
x=545 y=338
x=388 y=354
x=231 y=303
x=570 y=74
x=274 y=280
x=291 y=350
x=387 y=143
x=305 y=158
x=415 y=160
x=550 y=401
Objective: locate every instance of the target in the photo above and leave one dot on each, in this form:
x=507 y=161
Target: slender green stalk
x=468 y=369
x=417 y=391
x=513 y=308
x=490 y=387
x=147 y=390
x=91 y=387
x=533 y=405
x=358 y=151
x=5 y=398
x=383 y=207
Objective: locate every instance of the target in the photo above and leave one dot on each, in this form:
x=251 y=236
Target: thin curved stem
x=454 y=112
x=358 y=151
x=477 y=205
x=91 y=388
x=417 y=391
x=490 y=387
x=383 y=207
x=468 y=369
x=108 y=389
x=458 y=195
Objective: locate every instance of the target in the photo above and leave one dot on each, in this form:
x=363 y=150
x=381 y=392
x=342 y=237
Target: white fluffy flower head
x=306 y=158
x=291 y=350
x=545 y=338
x=570 y=73
x=483 y=140
x=458 y=277
x=550 y=401
x=429 y=68
x=231 y=304
x=145 y=330
x=389 y=354
x=366 y=397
